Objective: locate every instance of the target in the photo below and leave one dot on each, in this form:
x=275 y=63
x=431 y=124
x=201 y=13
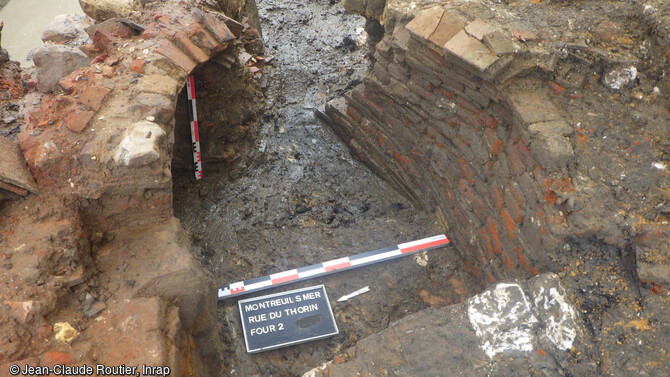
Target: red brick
x=523 y=261
x=480 y=209
x=76 y=122
x=201 y=37
x=484 y=239
x=137 y=65
x=353 y=113
x=460 y=216
x=508 y=222
x=103 y=38
x=486 y=120
x=507 y=261
x=68 y=84
x=375 y=109
x=53 y=358
x=555 y=88
x=449 y=193
x=218 y=29
x=518 y=196
x=466 y=104
x=524 y=154
x=495 y=238
x=514 y=208
x=151 y=31
x=465 y=189
x=194 y=51
x=516 y=164
x=467 y=172
x=177 y=56
x=497 y=197
x=93 y=97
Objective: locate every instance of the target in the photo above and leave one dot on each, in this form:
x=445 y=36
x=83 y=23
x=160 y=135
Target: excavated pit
x=296 y=196
x=519 y=130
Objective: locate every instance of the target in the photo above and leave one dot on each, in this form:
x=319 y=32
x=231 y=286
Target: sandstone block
x=425 y=22
x=479 y=28
x=470 y=50
x=102 y=10
x=163 y=85
x=54 y=62
x=139 y=145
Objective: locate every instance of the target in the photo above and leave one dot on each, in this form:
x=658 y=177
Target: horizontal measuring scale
x=341 y=264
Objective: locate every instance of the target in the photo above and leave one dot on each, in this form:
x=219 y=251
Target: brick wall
x=437 y=118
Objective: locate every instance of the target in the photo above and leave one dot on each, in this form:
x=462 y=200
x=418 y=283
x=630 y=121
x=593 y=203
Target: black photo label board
x=287 y=318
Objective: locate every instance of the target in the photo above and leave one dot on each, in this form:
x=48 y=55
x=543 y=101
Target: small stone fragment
x=64 y=332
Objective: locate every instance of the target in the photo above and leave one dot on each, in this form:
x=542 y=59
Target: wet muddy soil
x=302 y=199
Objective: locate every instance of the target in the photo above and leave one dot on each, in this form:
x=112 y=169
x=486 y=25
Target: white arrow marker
x=354 y=294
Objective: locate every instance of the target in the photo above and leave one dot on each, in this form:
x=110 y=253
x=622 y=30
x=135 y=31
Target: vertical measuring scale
x=195 y=138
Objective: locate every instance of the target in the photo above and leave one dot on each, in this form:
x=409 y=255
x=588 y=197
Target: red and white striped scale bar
x=195 y=137
x=335 y=265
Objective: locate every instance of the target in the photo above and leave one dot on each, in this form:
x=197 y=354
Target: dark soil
x=300 y=198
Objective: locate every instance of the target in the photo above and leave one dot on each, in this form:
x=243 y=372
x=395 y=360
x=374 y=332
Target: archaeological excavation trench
x=533 y=134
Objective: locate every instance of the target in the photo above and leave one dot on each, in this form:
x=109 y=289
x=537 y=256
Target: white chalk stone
x=507 y=320
x=139 y=145
x=503 y=319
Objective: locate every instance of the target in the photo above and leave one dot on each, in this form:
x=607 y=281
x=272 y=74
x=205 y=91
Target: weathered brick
x=399 y=72
x=470 y=50
x=77 y=121
x=425 y=22
x=507 y=260
x=497 y=198
x=150 y=31
x=524 y=262
x=516 y=164
x=450 y=83
x=528 y=188
x=499 y=43
x=195 y=52
x=218 y=29
x=486 y=241
x=93 y=97
x=465 y=103
x=449 y=25
x=485 y=119
x=177 y=56
x=479 y=28
x=524 y=154
x=477 y=97
x=480 y=210
x=514 y=208
x=507 y=221
x=380 y=73
x=531 y=233
x=501 y=169
x=137 y=65
x=493 y=235
x=533 y=107
x=201 y=37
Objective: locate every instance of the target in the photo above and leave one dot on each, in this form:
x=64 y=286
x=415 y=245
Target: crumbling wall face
x=434 y=118
x=108 y=140
x=100 y=232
